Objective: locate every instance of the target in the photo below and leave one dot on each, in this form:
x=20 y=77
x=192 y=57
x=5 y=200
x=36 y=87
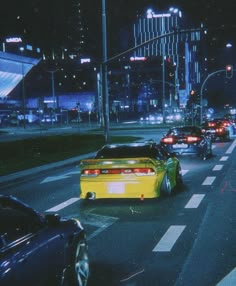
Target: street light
x=229 y=71
x=104 y=73
x=23 y=86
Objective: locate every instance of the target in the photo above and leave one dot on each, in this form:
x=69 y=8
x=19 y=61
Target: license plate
x=116 y=188
x=180 y=145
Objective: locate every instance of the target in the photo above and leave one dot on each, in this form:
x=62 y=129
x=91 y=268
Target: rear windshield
x=127 y=152
x=185 y=131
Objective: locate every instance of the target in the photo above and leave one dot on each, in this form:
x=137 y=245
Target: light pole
x=201 y=92
x=104 y=73
x=23 y=87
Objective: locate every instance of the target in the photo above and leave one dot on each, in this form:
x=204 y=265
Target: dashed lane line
x=208 y=181
x=224 y=158
x=217 y=168
x=231 y=147
x=229 y=280
x=195 y=201
x=63 y=205
x=169 y=238
x=184 y=172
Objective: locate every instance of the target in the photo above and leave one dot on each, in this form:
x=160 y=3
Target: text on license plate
x=180 y=145
x=116 y=188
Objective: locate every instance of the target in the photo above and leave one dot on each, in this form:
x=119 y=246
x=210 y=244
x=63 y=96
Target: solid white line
x=229 y=280
x=218 y=167
x=169 y=238
x=224 y=158
x=63 y=205
x=208 y=181
x=194 y=202
x=231 y=147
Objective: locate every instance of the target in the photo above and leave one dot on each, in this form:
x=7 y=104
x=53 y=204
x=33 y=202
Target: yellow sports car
x=135 y=170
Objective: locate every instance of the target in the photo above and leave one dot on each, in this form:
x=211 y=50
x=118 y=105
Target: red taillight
x=143 y=170
x=91 y=172
x=136 y=171
x=167 y=140
x=211 y=124
x=122 y=171
x=192 y=139
x=219 y=130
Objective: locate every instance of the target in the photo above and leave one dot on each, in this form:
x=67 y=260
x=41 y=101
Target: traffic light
x=229 y=71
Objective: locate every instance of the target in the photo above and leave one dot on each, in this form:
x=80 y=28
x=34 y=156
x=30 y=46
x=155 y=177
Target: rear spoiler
x=142 y=160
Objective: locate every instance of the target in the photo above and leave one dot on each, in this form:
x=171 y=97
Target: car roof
x=187 y=128
x=130 y=150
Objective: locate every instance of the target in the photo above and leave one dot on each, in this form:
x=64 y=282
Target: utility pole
x=104 y=74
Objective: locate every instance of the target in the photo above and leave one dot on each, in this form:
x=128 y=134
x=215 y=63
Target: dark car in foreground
x=218 y=129
x=187 y=140
x=39 y=250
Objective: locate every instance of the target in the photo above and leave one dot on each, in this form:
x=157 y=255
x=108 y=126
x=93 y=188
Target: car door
x=40 y=258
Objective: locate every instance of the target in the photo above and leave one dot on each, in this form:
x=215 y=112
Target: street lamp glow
x=228 y=45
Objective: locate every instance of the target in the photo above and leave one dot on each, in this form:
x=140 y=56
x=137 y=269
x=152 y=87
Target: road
x=186 y=239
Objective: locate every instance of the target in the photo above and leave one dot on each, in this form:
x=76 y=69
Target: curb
x=22 y=175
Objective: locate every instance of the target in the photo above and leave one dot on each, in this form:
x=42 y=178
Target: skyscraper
x=181 y=49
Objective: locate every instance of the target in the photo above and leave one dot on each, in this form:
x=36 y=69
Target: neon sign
x=14 y=40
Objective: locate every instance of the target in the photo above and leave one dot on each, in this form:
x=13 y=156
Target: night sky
x=44 y=19
x=42 y=22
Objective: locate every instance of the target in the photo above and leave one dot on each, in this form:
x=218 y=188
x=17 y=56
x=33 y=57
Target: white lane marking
x=224 y=158
x=60 y=177
x=184 y=172
x=229 y=280
x=169 y=238
x=194 y=202
x=231 y=147
x=99 y=221
x=63 y=205
x=218 y=167
x=54 y=178
x=208 y=181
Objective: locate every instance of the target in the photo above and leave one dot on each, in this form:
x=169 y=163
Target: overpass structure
x=13 y=69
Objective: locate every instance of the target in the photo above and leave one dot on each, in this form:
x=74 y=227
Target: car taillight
x=91 y=172
x=192 y=139
x=167 y=140
x=143 y=171
x=219 y=130
x=121 y=171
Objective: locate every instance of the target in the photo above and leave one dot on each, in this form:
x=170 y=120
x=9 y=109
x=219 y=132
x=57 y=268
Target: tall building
x=182 y=49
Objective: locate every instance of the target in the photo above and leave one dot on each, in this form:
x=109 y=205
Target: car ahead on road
x=152 y=118
x=134 y=170
x=40 y=249
x=216 y=130
x=187 y=140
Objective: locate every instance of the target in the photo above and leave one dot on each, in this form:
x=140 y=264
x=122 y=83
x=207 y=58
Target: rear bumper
x=116 y=190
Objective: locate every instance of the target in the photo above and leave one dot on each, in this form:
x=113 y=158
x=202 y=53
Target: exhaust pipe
x=91 y=196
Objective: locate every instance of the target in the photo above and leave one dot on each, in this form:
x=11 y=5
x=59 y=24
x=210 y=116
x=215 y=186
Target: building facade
x=176 y=47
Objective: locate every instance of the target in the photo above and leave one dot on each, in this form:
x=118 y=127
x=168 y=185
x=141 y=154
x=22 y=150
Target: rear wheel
x=166 y=186
x=179 y=177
